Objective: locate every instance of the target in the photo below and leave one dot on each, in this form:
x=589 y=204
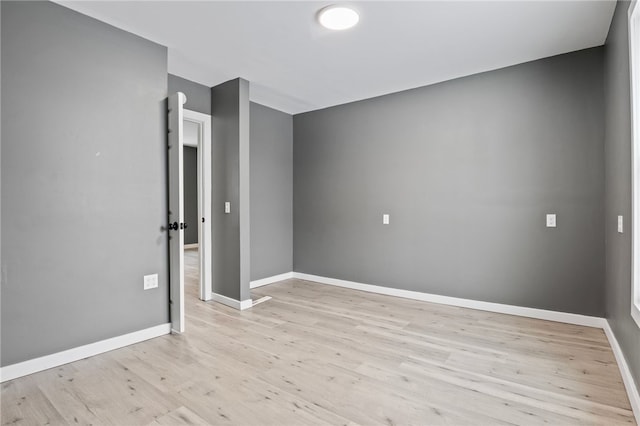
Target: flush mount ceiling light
x=338 y=17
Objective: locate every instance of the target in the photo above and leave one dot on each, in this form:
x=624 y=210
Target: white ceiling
x=295 y=65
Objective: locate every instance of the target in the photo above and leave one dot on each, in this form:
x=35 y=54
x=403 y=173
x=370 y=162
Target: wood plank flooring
x=317 y=354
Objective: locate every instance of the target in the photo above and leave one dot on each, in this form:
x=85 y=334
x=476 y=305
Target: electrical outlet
x=227 y=207
x=620 y=225
x=385 y=219
x=150 y=281
x=551 y=221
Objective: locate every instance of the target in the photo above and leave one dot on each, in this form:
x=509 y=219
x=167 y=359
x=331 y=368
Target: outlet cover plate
x=551 y=221
x=150 y=281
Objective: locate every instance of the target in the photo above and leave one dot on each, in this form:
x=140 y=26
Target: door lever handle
x=173 y=226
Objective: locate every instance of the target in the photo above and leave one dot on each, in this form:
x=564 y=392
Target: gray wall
x=83 y=181
x=618 y=189
x=230 y=115
x=198 y=95
x=271 y=170
x=467 y=169
x=271 y=192
x=190 y=160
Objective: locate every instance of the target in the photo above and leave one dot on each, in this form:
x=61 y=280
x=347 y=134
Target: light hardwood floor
x=317 y=354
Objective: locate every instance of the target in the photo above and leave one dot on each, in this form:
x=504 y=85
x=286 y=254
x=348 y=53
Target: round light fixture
x=338 y=17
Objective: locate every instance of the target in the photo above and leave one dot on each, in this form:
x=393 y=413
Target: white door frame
x=204 y=197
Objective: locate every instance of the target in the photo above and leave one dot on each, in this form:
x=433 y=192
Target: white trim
x=35 y=365
x=241 y=305
x=271 y=280
x=584 y=320
x=625 y=372
x=543 y=314
x=261 y=300
x=634 y=77
x=191 y=246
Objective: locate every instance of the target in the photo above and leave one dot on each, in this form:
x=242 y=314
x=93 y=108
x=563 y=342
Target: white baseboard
x=584 y=320
x=271 y=280
x=240 y=305
x=261 y=300
x=627 y=378
x=543 y=314
x=25 y=368
x=191 y=246
x=31 y=366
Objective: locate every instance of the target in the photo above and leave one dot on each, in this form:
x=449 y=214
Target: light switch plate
x=620 y=224
x=385 y=219
x=150 y=281
x=551 y=221
x=227 y=207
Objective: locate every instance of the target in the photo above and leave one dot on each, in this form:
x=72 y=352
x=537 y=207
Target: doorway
x=197 y=152
x=177 y=117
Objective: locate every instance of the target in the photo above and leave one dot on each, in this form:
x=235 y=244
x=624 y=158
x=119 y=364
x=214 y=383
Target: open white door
x=176 y=213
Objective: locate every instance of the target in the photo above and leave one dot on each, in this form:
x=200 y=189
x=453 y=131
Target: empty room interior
x=307 y=212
